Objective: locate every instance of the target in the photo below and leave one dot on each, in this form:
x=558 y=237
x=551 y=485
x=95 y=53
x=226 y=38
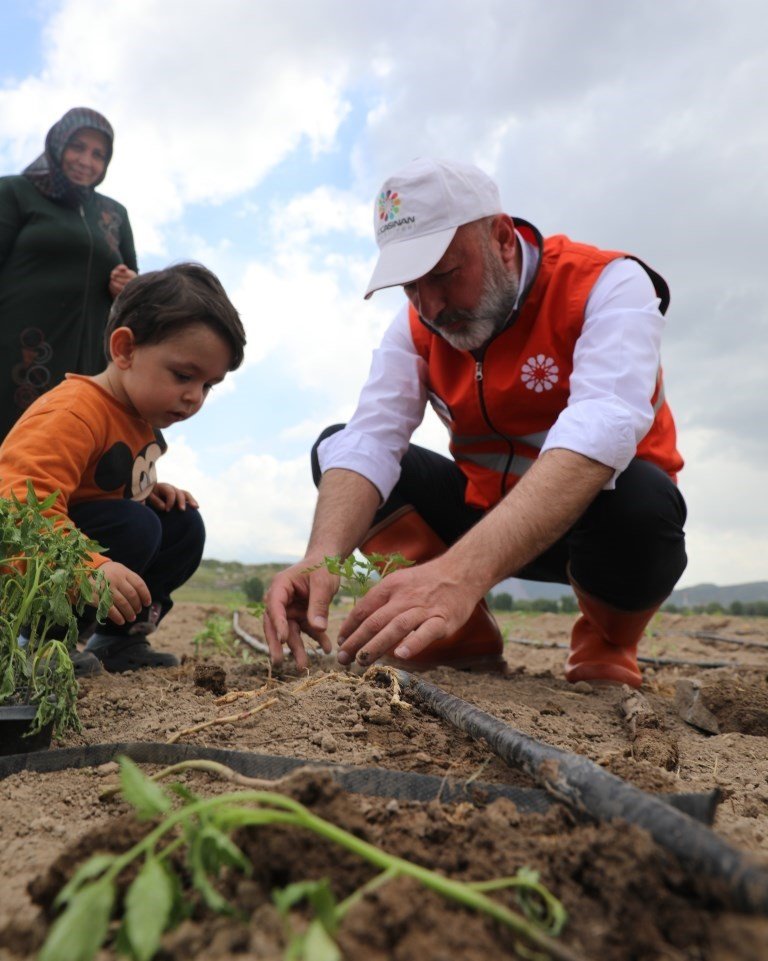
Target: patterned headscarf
x=46 y=173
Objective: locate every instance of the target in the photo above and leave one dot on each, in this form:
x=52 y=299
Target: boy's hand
x=129 y=592
x=166 y=496
x=119 y=278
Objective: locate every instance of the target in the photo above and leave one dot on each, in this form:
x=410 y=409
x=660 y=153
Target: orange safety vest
x=498 y=404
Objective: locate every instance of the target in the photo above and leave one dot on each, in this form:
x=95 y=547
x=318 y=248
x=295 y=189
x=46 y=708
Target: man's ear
x=122 y=347
x=503 y=232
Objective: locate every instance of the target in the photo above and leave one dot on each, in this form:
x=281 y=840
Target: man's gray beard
x=500 y=288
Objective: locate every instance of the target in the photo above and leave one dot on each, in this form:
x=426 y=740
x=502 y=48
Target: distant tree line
x=736 y=608
x=567 y=605
x=540 y=605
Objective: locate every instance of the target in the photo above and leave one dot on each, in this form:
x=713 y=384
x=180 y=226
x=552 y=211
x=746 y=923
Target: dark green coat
x=55 y=262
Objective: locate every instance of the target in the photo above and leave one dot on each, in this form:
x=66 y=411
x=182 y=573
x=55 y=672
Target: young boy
x=172 y=335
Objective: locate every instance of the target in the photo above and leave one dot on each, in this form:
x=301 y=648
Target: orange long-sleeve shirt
x=80 y=440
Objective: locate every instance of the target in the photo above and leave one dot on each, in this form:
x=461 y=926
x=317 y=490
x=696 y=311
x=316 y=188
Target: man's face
x=469 y=294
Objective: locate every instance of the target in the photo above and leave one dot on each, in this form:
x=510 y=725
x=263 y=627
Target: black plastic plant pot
x=15 y=725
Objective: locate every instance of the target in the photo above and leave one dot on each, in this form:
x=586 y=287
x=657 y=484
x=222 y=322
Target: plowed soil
x=627 y=899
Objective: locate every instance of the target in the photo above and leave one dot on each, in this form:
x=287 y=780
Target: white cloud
x=258 y=508
x=615 y=123
x=205 y=100
x=727 y=514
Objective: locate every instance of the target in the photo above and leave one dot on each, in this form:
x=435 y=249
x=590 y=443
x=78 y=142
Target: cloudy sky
x=252 y=135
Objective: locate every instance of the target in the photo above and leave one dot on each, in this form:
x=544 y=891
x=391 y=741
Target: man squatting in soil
x=541 y=356
x=171 y=336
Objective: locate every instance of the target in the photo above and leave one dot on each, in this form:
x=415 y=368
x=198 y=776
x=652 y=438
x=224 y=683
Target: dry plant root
x=381 y=672
x=231 y=696
x=210 y=767
x=228 y=719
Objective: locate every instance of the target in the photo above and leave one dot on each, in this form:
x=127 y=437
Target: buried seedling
x=201 y=829
x=45 y=582
x=217 y=637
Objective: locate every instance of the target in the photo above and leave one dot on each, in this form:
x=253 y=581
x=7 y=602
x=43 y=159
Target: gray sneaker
x=85 y=664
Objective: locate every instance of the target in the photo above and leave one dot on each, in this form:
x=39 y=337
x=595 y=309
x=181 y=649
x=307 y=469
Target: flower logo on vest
x=389 y=205
x=539 y=373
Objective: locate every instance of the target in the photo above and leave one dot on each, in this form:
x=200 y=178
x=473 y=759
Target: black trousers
x=627 y=549
x=163 y=547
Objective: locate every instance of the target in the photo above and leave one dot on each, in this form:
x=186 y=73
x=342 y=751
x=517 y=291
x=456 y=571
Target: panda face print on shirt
x=136 y=475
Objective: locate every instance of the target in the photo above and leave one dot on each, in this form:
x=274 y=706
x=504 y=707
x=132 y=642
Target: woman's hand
x=119 y=278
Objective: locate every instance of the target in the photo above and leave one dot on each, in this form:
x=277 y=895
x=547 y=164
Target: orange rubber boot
x=604 y=642
x=478 y=644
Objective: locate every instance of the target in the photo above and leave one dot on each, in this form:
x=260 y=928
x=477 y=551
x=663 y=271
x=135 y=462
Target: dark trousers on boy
x=164 y=548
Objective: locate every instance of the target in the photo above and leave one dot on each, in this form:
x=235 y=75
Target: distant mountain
x=531 y=590
x=710 y=593
x=682 y=597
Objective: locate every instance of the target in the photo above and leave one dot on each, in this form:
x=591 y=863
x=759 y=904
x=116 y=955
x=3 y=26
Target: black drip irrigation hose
x=374 y=781
x=734 y=878
x=378 y=782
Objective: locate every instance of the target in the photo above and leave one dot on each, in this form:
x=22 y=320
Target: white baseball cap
x=417 y=212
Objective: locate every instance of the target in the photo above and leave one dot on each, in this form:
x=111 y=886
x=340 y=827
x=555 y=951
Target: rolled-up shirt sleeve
x=615 y=366
x=390 y=408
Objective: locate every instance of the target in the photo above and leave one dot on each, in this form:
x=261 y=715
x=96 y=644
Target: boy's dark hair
x=160 y=303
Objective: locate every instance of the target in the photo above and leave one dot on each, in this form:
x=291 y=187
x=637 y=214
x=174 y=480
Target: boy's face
x=168 y=382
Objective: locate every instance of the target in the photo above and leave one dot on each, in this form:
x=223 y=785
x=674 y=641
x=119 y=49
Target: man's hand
x=166 y=496
x=129 y=592
x=297 y=601
x=119 y=278
x=406 y=612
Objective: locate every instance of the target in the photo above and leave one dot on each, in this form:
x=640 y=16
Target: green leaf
x=148 y=905
x=182 y=791
x=92 y=868
x=200 y=880
x=145 y=796
x=219 y=850
x=80 y=931
x=180 y=907
x=323 y=900
x=318 y=944
x=286 y=898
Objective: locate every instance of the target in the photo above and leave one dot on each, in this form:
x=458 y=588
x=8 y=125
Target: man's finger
x=414 y=643
x=322 y=589
x=296 y=646
x=376 y=598
x=381 y=633
x=278 y=598
x=274 y=645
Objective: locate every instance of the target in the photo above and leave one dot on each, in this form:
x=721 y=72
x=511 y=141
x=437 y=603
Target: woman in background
x=65 y=253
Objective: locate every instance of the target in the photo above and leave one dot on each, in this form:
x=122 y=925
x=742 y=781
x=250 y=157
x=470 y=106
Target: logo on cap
x=389 y=205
